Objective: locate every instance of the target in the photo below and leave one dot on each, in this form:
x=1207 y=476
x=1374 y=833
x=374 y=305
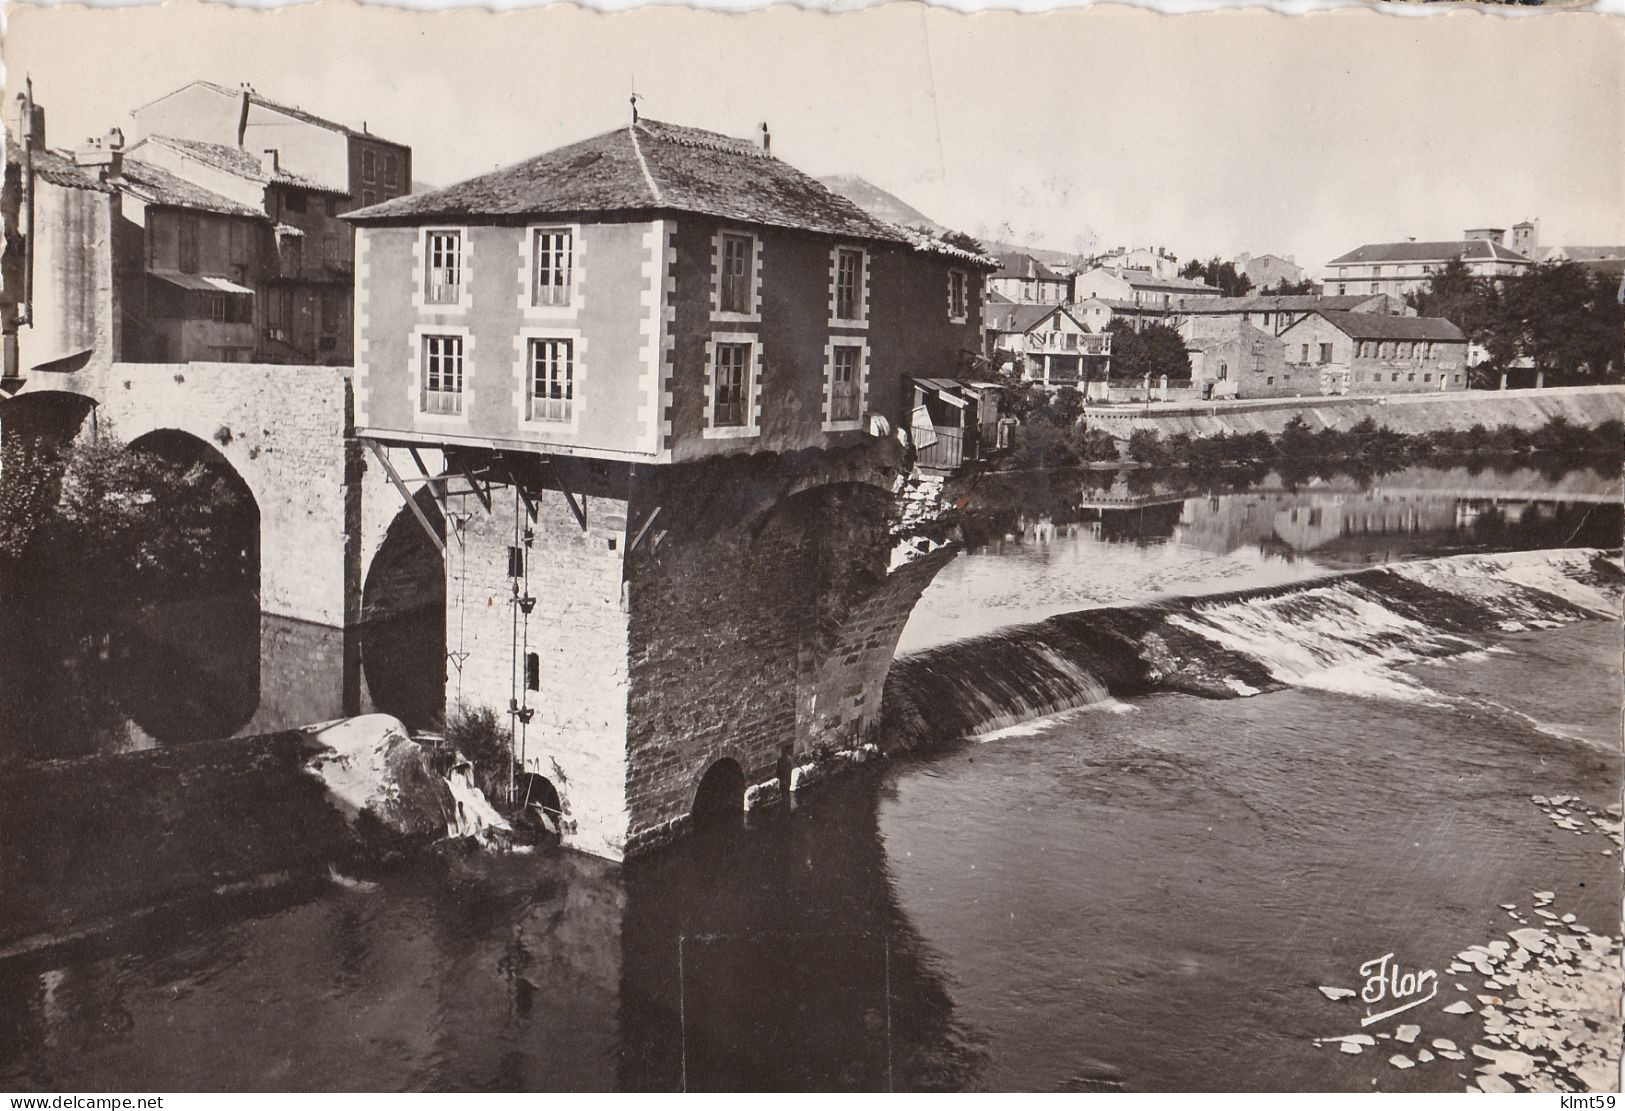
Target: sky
x=1208 y=134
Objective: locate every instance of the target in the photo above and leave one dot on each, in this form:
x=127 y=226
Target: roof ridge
x=643 y=163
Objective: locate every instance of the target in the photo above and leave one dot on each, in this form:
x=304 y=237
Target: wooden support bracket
x=406 y=495
x=647 y=521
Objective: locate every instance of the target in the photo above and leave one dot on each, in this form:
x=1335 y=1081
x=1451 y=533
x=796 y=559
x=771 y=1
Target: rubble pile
x=1567 y=812
x=1548 y=995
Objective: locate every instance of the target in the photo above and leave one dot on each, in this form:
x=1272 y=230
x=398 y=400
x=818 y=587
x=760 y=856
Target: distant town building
x=1332 y=352
x=1400 y=268
x=1269 y=271
x=1232 y=358
x=1023 y=279
x=1276 y=313
x=1140 y=288
x=1050 y=345
x=1159 y=262
x=303 y=172
x=782 y=316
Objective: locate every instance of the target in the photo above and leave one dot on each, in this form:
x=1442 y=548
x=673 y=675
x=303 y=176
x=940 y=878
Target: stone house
x=1362 y=352
x=1231 y=358
x=1276 y=313
x=648 y=359
x=1023 y=279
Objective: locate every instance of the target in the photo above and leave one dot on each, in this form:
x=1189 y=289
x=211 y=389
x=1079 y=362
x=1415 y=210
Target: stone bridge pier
x=653 y=633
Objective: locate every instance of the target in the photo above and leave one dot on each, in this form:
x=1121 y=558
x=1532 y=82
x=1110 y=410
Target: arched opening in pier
x=719 y=802
x=539 y=802
x=403 y=613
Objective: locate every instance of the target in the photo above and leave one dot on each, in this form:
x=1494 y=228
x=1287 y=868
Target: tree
x=964 y=242
x=1284 y=288
x=1155 y=349
x=1230 y=281
x=1456 y=294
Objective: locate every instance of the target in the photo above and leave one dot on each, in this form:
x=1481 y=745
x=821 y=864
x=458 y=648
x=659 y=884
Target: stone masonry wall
x=578 y=632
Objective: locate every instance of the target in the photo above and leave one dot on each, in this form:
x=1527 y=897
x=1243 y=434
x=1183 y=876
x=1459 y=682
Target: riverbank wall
x=1408 y=413
x=93 y=840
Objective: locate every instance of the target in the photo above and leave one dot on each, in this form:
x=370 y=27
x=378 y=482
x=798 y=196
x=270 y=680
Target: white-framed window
x=441 y=386
x=550 y=377
x=736 y=278
x=1325 y=353
x=443 y=267
x=844 y=386
x=731 y=384
x=849 y=282
x=217 y=307
x=958 y=296
x=553 y=254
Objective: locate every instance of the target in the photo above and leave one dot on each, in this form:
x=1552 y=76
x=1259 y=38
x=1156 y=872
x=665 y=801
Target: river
x=1143 y=893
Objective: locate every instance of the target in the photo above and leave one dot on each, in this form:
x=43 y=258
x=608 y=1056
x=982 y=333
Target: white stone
x=1461 y=1007
x=1335 y=994
x=1407 y=1033
x=1444 y=1043
x=1400 y=1061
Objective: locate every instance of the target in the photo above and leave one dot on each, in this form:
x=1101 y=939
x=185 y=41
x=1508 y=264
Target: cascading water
x=1349 y=634
x=472 y=814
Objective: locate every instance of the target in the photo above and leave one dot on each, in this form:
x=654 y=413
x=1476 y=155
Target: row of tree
x=1570 y=322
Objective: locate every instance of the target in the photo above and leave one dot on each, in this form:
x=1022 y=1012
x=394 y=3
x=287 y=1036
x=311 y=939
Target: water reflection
x=770 y=958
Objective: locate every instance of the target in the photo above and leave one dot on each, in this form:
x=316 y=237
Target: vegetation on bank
x=99 y=510
x=1368 y=441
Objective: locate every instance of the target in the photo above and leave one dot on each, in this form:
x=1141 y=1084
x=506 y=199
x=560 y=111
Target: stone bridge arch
x=281 y=430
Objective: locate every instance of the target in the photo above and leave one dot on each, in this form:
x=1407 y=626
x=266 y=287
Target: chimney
x=767 y=140
x=245 y=95
x=28 y=123
x=274 y=159
x=106 y=156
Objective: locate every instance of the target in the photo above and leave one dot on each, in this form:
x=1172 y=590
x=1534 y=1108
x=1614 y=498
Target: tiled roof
x=1473 y=250
x=1126 y=306
x=159 y=187
x=1026 y=268
x=1372 y=325
x=1023 y=318
x=1282 y=303
x=57 y=169
x=647 y=167
x=1144 y=279
x=929 y=244
x=235 y=160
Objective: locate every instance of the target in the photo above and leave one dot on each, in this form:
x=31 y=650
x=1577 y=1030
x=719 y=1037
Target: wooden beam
x=406 y=496
x=647 y=521
x=578 y=508
x=483 y=495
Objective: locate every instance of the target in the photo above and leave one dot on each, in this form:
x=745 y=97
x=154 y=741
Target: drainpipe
x=25 y=311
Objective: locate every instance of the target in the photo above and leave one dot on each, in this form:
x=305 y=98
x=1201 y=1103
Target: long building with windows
x=1400 y=268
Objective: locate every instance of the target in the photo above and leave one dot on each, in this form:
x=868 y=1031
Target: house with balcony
x=1363 y=352
x=1047 y=343
x=656 y=293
